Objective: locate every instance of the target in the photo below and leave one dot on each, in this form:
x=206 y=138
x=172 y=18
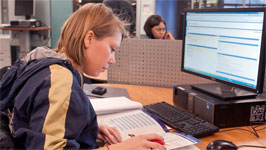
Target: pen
x=158 y=141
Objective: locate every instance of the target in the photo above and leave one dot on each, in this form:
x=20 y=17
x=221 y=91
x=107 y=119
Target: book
x=113 y=104
x=136 y=121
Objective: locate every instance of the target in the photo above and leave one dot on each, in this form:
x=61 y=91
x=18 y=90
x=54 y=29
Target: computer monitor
x=228 y=46
x=24 y=8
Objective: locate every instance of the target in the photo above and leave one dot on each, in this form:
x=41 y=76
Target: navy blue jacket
x=50 y=109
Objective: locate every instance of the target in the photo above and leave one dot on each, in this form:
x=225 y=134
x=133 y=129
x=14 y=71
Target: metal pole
x=192 y=4
x=200 y=3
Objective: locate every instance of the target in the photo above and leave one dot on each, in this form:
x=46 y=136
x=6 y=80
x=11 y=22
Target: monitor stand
x=223 y=91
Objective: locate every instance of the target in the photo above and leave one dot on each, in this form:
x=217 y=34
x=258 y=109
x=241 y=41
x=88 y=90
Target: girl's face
x=158 y=31
x=99 y=53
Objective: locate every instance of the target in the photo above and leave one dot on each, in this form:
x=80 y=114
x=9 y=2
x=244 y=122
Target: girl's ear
x=88 y=38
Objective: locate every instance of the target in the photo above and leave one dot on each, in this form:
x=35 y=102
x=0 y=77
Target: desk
x=147 y=95
x=24 y=35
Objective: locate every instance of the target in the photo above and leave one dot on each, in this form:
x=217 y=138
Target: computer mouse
x=221 y=145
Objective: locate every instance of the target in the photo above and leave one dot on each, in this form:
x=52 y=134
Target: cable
x=242 y=130
x=254 y=132
x=261 y=129
x=253 y=128
x=251 y=146
x=258 y=124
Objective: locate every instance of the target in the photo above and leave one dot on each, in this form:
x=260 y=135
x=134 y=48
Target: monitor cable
x=253 y=127
x=256 y=146
x=254 y=132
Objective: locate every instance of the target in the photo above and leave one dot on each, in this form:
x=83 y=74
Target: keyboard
x=181 y=120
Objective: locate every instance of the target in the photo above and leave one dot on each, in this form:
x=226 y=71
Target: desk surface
x=147 y=95
x=25 y=29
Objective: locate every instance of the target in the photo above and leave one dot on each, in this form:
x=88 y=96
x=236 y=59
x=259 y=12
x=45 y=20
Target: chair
x=3 y=71
x=7 y=142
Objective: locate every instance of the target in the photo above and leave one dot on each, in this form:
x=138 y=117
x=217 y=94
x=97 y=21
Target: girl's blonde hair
x=95 y=17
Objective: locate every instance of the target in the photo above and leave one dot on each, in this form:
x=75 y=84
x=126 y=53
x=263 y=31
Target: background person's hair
x=96 y=17
x=124 y=10
x=153 y=20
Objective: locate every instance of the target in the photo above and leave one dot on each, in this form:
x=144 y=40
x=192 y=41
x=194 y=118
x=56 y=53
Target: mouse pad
x=111 y=91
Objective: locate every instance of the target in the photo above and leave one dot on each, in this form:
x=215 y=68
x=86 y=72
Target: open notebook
x=129 y=118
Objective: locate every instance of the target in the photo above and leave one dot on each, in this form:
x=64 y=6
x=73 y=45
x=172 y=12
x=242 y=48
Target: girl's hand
x=109 y=134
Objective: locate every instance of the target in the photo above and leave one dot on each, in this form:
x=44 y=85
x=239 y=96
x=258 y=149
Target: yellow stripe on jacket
x=59 y=99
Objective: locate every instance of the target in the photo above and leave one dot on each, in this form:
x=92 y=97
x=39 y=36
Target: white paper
x=137 y=122
x=173 y=140
x=113 y=104
x=131 y=122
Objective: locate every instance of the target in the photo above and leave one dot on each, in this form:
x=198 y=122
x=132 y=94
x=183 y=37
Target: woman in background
x=155 y=28
x=44 y=91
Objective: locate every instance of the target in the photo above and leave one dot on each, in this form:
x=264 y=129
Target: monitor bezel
x=261 y=68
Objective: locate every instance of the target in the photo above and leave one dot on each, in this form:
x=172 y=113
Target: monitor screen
x=24 y=8
x=226 y=45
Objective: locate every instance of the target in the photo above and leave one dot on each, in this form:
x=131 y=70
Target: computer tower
x=221 y=113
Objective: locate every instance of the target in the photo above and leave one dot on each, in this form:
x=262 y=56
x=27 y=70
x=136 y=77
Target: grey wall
x=60 y=11
x=43 y=13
